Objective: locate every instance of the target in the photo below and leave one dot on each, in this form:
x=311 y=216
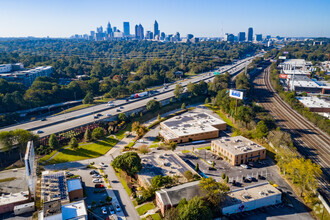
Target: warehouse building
x=238 y=150
x=75 y=189
x=251 y=198
x=54 y=210
x=191 y=126
x=170 y=197
x=315 y=104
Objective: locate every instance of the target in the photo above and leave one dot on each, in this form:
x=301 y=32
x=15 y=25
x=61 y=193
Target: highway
x=63 y=122
x=309 y=140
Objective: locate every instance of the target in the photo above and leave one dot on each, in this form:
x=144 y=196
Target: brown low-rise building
x=238 y=150
x=75 y=189
x=191 y=126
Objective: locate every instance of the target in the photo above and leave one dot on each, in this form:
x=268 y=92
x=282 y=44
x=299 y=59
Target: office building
x=177 y=37
x=258 y=37
x=109 y=30
x=139 y=32
x=9 y=201
x=75 y=189
x=191 y=126
x=238 y=150
x=250 y=198
x=190 y=36
x=156 y=29
x=149 y=35
x=7 y=68
x=241 y=36
x=54 y=187
x=26 y=77
x=126 y=29
x=170 y=197
x=162 y=36
x=250 y=34
x=229 y=37
x=316 y=104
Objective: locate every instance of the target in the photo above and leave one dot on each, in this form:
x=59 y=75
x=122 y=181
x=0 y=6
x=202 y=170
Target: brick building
x=238 y=150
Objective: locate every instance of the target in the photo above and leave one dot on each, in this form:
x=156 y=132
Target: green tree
x=183 y=106
x=129 y=162
x=159 y=181
x=122 y=117
x=89 y=99
x=178 y=90
x=223 y=176
x=214 y=191
x=53 y=142
x=88 y=135
x=261 y=129
x=197 y=167
x=188 y=175
x=207 y=101
x=108 y=198
x=227 y=179
x=196 y=208
x=153 y=105
x=98 y=133
x=74 y=143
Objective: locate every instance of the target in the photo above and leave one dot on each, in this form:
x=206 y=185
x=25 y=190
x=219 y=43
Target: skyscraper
x=139 y=32
x=229 y=37
x=250 y=34
x=258 y=37
x=156 y=30
x=109 y=29
x=126 y=29
x=162 y=36
x=241 y=36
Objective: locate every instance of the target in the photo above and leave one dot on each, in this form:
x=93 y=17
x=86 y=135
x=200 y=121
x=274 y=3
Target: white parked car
x=244 y=166
x=104 y=211
x=97 y=181
x=96 y=176
x=103 y=164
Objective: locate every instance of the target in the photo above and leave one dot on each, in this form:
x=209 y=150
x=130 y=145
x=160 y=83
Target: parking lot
x=205 y=159
x=96 y=195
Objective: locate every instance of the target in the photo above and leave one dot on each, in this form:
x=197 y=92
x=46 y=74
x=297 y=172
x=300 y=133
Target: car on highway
x=104 y=211
x=121 y=107
x=96 y=176
x=108 y=115
x=40 y=132
x=99 y=114
x=118 y=110
x=44 y=119
x=112 y=209
x=95 y=116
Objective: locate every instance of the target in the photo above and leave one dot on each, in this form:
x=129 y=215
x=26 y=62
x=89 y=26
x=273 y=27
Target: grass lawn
x=74 y=108
x=124 y=183
x=7 y=179
x=144 y=208
x=204 y=148
x=86 y=151
x=103 y=100
x=221 y=114
x=45 y=158
x=155 y=216
x=131 y=144
x=154 y=145
x=121 y=134
x=185 y=151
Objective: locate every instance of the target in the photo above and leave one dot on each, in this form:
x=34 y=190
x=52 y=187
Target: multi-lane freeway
x=63 y=122
x=309 y=139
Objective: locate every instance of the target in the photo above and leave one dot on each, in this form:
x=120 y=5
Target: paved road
x=84 y=116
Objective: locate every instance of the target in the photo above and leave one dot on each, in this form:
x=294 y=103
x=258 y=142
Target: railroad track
x=309 y=140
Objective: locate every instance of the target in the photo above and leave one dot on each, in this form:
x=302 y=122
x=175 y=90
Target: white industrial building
x=250 y=198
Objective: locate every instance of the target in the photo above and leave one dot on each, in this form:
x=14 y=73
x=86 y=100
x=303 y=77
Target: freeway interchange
x=68 y=121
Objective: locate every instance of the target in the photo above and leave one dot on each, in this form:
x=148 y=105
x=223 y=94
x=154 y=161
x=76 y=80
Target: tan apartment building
x=238 y=150
x=191 y=126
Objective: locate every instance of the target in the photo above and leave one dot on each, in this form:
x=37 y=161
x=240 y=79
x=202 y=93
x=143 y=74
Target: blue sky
x=63 y=18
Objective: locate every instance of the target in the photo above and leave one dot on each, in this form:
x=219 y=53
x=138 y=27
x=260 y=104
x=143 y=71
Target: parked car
x=212 y=168
x=118 y=208
x=98 y=185
x=93 y=172
x=103 y=164
x=96 y=176
x=261 y=177
x=104 y=211
x=97 y=181
x=68 y=174
x=112 y=209
x=244 y=166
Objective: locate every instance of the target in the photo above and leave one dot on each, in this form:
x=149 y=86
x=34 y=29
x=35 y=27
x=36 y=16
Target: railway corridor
x=309 y=140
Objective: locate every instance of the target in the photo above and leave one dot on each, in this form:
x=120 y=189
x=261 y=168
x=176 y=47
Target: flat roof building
x=75 y=189
x=170 y=197
x=9 y=201
x=54 y=186
x=191 y=126
x=315 y=104
x=53 y=210
x=302 y=83
x=238 y=150
x=250 y=198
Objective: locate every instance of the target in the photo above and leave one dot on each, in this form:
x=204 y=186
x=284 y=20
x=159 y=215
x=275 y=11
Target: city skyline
x=214 y=19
